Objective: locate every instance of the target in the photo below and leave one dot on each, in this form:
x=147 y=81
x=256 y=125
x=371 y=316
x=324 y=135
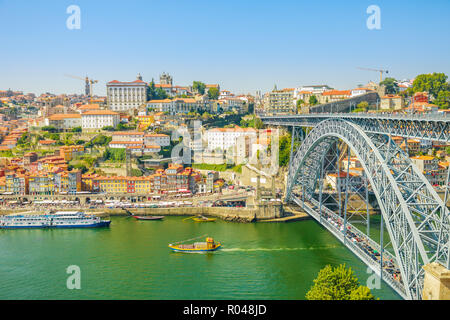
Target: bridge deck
x=434 y=127
x=330 y=221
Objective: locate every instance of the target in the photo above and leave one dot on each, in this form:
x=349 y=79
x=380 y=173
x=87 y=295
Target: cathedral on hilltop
x=165 y=78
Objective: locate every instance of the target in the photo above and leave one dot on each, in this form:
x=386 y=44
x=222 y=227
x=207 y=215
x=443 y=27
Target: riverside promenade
x=271 y=212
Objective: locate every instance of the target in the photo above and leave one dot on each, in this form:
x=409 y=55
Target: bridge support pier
x=437 y=282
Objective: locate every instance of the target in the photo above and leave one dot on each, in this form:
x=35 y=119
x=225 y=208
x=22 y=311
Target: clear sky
x=244 y=45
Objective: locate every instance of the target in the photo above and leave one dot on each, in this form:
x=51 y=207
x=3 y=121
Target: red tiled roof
x=100 y=112
x=337 y=93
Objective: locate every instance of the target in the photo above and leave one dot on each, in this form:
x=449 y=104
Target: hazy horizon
x=244 y=46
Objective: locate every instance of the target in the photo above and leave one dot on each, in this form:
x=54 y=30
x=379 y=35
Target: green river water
x=131 y=260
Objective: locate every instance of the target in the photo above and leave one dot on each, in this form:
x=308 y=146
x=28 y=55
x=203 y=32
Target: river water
x=131 y=260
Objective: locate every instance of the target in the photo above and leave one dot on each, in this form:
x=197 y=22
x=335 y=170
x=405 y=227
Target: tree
x=300 y=102
x=89 y=160
x=78 y=166
x=136 y=172
x=79 y=142
x=199 y=87
x=251 y=107
x=52 y=136
x=313 y=100
x=391 y=85
x=123 y=127
x=431 y=83
x=447 y=150
x=206 y=116
x=161 y=94
x=361 y=293
x=362 y=106
x=49 y=129
x=284 y=150
x=338 y=283
x=155 y=94
x=151 y=91
x=116 y=155
x=76 y=129
x=258 y=123
x=101 y=140
x=254 y=122
x=443 y=100
x=213 y=93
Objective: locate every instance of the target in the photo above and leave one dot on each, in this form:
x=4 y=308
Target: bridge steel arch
x=416 y=218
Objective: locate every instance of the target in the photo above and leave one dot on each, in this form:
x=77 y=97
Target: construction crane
x=380 y=71
x=88 y=84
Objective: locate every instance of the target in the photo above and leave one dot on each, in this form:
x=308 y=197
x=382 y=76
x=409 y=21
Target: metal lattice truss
x=416 y=218
x=425 y=127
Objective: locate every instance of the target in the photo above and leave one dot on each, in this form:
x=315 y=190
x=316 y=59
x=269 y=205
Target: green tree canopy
x=49 y=129
x=199 y=87
x=338 y=283
x=436 y=85
x=432 y=83
x=100 y=140
x=154 y=93
x=78 y=166
x=300 y=103
x=391 y=85
x=254 y=122
x=136 y=172
x=363 y=106
x=313 y=100
x=284 y=150
x=161 y=94
x=114 y=154
x=443 y=99
x=361 y=293
x=213 y=93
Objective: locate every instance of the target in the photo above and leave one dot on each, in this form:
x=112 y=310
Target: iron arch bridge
x=415 y=217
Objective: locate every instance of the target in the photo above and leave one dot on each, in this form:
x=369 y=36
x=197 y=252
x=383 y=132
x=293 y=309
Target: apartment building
x=134 y=136
x=280 y=101
x=180 y=105
x=157 y=139
x=224 y=138
x=64 y=121
x=392 y=102
x=434 y=170
x=123 y=96
x=334 y=95
x=98 y=119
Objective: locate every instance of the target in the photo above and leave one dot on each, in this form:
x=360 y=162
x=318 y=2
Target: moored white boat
x=61 y=219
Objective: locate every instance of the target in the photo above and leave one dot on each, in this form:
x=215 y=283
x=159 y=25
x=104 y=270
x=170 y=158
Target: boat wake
x=278 y=249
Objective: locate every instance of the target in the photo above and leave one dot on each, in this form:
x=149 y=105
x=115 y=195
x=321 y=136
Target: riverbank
x=227 y=214
x=246 y=215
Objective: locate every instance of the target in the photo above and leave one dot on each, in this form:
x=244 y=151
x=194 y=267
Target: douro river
x=131 y=260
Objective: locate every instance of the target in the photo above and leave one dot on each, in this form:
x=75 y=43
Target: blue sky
x=244 y=45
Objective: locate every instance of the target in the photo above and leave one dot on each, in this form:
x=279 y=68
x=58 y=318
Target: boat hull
x=147 y=218
x=93 y=225
x=101 y=224
x=204 y=220
x=176 y=249
x=24 y=227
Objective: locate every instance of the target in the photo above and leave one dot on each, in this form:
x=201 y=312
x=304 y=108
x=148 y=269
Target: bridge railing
x=367 y=259
x=387 y=115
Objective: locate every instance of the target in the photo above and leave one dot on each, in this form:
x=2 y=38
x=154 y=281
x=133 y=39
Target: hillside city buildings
x=132 y=125
x=123 y=96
